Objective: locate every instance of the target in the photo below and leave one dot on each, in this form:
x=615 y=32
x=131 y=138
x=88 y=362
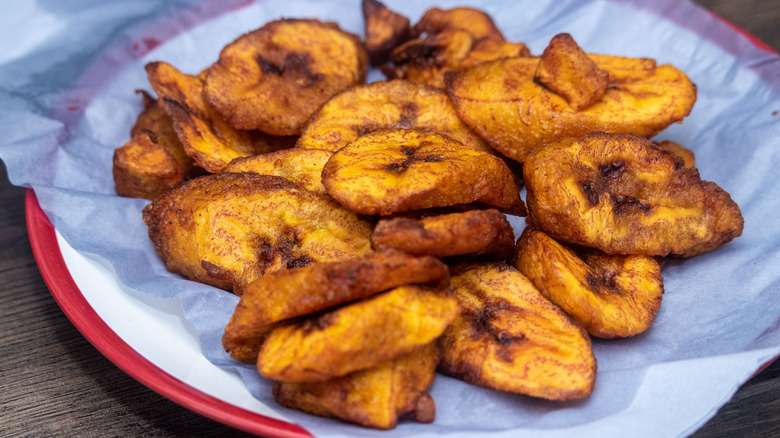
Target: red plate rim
x=66 y=293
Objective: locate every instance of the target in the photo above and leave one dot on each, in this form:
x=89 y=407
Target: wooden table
x=54 y=383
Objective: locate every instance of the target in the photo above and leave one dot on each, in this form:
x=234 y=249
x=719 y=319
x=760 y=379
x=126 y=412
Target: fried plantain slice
x=287 y=294
x=623 y=195
x=384 y=29
x=509 y=337
x=612 y=296
x=392 y=104
x=205 y=136
x=502 y=103
x=275 y=77
x=427 y=59
x=144 y=168
x=681 y=151
x=390 y=171
x=301 y=166
x=375 y=397
x=565 y=69
x=475 y=22
x=357 y=336
x=470 y=232
x=227 y=229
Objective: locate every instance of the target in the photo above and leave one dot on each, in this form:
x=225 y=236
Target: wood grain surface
x=53 y=383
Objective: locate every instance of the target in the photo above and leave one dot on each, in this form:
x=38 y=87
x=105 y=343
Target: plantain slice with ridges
x=509 y=337
x=275 y=77
x=391 y=171
x=291 y=293
x=612 y=296
x=395 y=104
x=357 y=336
x=624 y=195
x=227 y=229
x=375 y=397
x=477 y=232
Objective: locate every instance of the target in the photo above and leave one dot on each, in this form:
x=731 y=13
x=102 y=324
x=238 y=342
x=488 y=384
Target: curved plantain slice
x=375 y=397
x=205 y=136
x=470 y=232
x=273 y=78
x=227 y=229
x=287 y=294
x=502 y=103
x=357 y=336
x=612 y=296
x=390 y=171
x=144 y=168
x=395 y=104
x=475 y=22
x=511 y=338
x=623 y=195
x=384 y=29
x=301 y=166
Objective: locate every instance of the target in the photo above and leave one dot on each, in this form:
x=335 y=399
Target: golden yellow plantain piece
x=475 y=22
x=399 y=170
x=612 y=296
x=502 y=103
x=490 y=49
x=565 y=69
x=153 y=161
x=470 y=232
x=357 y=336
x=301 y=166
x=298 y=292
x=274 y=78
x=227 y=229
x=384 y=30
x=205 y=136
x=681 y=151
x=509 y=337
x=375 y=397
x=624 y=195
x=395 y=104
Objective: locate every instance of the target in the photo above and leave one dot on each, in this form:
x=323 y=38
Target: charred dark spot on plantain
x=299 y=262
x=590 y=193
x=317 y=324
x=215 y=271
x=482 y=325
x=623 y=204
x=612 y=170
x=294 y=64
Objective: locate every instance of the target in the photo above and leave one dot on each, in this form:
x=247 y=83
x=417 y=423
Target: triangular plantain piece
x=474 y=21
x=375 y=397
x=395 y=104
x=624 y=195
x=384 y=30
x=509 y=337
x=502 y=103
x=612 y=296
x=275 y=77
x=396 y=170
x=227 y=229
x=205 y=136
x=476 y=232
x=568 y=71
x=301 y=166
x=298 y=292
x=357 y=336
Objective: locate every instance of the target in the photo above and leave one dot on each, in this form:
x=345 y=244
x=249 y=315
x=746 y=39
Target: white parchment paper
x=68 y=71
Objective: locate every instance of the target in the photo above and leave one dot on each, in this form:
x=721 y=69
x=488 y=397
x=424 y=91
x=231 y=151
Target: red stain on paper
x=145 y=45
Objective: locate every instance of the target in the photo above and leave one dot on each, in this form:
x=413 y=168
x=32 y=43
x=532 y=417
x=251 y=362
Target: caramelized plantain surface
x=301 y=166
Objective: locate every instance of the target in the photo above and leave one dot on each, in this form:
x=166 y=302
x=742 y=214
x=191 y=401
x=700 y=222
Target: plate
x=74 y=279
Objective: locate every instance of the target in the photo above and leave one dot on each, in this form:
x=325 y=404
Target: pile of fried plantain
x=365 y=227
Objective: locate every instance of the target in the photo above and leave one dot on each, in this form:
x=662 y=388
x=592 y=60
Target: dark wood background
x=54 y=383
